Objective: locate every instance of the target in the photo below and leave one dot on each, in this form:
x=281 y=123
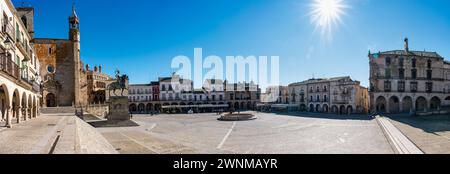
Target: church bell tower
x=74 y=37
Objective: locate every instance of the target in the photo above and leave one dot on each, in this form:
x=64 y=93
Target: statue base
x=118 y=109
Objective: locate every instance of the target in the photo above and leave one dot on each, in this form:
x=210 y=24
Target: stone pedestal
x=118 y=109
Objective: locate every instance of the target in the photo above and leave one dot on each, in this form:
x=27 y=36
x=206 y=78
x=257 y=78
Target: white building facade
x=20 y=81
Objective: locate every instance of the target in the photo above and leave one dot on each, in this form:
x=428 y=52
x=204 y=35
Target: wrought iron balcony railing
x=8 y=66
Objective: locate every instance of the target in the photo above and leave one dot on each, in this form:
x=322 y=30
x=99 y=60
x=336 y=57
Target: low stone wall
x=91 y=141
x=78 y=137
x=98 y=110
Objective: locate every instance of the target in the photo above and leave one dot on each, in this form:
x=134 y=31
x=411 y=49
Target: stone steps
x=58 y=110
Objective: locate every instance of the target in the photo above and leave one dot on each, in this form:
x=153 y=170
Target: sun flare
x=327 y=13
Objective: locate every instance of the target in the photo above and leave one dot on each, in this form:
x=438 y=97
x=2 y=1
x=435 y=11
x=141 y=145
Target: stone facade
x=66 y=81
x=97 y=83
x=276 y=95
x=340 y=95
x=242 y=96
x=20 y=80
x=404 y=81
x=174 y=94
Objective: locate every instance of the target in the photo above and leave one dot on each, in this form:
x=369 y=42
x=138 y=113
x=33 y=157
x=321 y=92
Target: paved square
x=430 y=133
x=269 y=134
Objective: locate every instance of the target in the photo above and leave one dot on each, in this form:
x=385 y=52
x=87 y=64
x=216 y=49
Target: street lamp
x=8 y=45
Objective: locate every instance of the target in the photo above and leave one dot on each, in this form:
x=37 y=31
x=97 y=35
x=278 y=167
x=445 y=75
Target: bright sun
x=327 y=13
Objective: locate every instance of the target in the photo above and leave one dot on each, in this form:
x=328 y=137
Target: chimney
x=406 y=45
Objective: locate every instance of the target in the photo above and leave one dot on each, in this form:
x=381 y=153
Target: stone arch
x=435 y=104
x=334 y=109
x=157 y=107
x=243 y=105
x=421 y=104
x=349 y=110
x=174 y=109
x=50 y=100
x=30 y=107
x=381 y=104
x=303 y=107
x=318 y=108
x=342 y=110
x=24 y=106
x=133 y=108
x=149 y=107
x=325 y=108
x=141 y=108
x=15 y=104
x=407 y=104
x=249 y=105
x=4 y=102
x=394 y=104
x=311 y=108
x=34 y=107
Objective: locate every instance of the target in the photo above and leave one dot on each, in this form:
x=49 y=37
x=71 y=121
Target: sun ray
x=327 y=14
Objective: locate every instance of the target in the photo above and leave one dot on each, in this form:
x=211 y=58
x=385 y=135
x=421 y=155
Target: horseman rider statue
x=120 y=83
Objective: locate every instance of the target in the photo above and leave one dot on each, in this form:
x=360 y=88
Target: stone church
x=63 y=73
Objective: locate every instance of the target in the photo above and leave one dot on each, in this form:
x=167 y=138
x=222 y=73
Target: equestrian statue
x=120 y=83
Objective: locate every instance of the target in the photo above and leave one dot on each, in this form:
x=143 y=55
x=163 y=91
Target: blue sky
x=141 y=37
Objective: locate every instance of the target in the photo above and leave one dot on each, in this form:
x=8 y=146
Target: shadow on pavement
x=430 y=124
x=325 y=116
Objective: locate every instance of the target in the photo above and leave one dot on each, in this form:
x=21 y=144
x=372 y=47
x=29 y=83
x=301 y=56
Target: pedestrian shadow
x=326 y=116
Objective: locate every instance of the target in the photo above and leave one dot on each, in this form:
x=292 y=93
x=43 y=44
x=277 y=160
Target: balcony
x=9 y=67
x=8 y=29
x=26 y=52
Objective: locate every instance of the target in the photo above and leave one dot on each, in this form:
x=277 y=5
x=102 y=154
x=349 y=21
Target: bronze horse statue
x=120 y=83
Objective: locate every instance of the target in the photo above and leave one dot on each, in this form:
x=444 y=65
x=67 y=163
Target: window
x=429 y=74
x=24 y=21
x=429 y=64
x=318 y=99
x=401 y=62
x=414 y=73
x=413 y=86
x=163 y=87
x=414 y=63
x=387 y=86
x=401 y=86
x=388 y=61
x=318 y=89
x=325 y=89
x=387 y=73
x=311 y=100
x=429 y=87
x=325 y=98
x=50 y=50
x=50 y=69
x=401 y=73
x=220 y=97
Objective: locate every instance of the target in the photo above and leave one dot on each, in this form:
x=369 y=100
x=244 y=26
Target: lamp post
x=8 y=45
